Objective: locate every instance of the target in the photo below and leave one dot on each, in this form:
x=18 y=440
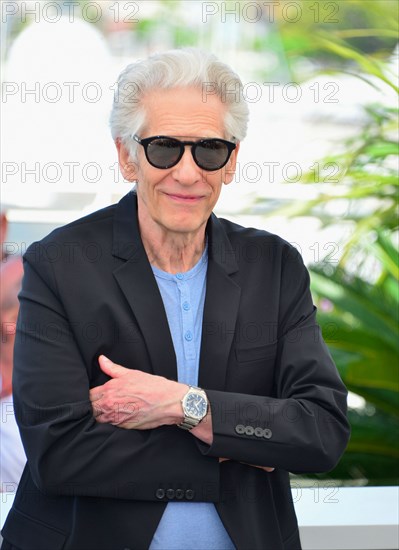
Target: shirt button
x=186 y=306
x=188 y=336
x=189 y=494
x=160 y=493
x=179 y=276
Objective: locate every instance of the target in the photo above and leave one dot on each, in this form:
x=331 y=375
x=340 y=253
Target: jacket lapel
x=137 y=282
x=221 y=308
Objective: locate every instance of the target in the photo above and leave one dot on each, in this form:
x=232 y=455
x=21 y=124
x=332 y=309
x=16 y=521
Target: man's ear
x=127 y=167
x=230 y=168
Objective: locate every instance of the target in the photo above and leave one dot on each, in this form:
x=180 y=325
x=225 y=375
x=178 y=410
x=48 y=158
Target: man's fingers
x=94 y=396
x=110 y=368
x=97 y=412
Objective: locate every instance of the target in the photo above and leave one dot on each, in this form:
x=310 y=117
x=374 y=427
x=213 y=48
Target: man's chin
x=186 y=226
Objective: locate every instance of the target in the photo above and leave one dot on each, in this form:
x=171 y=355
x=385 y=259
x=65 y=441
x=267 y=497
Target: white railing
x=348 y=518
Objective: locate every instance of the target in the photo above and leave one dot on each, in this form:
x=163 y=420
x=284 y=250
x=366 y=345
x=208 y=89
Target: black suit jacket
x=275 y=394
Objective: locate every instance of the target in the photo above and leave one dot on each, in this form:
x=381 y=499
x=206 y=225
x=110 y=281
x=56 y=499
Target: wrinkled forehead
x=184 y=112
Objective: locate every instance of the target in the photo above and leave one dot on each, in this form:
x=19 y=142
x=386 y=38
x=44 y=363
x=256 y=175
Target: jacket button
x=249 y=430
x=160 y=493
x=179 y=494
x=267 y=433
x=240 y=429
x=189 y=494
x=170 y=493
x=259 y=431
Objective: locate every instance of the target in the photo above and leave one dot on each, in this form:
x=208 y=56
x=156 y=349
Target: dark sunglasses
x=164 y=152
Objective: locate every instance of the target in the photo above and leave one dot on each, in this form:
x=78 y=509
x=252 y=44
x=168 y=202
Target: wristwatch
x=195 y=407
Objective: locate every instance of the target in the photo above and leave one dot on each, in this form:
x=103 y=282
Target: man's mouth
x=184 y=198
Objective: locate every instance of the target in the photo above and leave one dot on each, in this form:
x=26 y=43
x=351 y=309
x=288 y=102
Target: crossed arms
x=58 y=382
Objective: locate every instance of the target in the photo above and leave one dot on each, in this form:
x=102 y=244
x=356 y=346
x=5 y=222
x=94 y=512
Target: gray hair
x=172 y=69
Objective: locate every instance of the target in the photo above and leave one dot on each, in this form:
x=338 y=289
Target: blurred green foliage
x=358 y=299
x=333 y=32
x=360 y=327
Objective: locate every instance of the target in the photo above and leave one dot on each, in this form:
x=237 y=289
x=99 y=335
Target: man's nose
x=186 y=170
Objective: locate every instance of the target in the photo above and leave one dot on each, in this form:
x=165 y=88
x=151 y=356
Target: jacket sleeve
x=68 y=452
x=303 y=427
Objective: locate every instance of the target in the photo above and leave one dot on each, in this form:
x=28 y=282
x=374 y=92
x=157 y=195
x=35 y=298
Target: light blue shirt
x=193 y=525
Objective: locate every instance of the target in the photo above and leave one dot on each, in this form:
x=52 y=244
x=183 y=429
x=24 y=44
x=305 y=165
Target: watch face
x=195 y=405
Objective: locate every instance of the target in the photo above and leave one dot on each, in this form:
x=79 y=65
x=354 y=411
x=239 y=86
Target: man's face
x=179 y=199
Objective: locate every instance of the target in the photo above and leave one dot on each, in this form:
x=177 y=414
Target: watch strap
x=188 y=423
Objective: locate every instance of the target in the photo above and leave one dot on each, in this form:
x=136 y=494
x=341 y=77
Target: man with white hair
x=169 y=371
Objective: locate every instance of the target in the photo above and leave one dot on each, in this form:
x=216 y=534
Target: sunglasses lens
x=211 y=154
x=163 y=152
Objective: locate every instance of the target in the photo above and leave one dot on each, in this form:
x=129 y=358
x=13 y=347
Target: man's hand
x=136 y=400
